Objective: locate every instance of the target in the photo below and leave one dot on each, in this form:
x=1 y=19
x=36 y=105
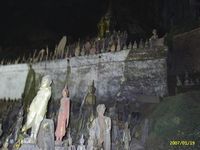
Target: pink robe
x=63 y=118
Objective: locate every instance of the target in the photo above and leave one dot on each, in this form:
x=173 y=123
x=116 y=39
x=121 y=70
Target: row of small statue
x=187 y=81
x=110 y=43
x=99 y=131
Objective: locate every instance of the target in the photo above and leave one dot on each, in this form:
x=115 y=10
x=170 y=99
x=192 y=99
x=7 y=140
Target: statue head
x=82 y=140
x=126 y=125
x=91 y=88
x=101 y=109
x=65 y=91
x=46 y=81
x=154 y=32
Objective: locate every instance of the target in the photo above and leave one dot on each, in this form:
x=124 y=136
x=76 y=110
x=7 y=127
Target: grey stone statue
x=91 y=140
x=101 y=126
x=19 y=123
x=153 y=38
x=130 y=45
x=135 y=45
x=178 y=81
x=126 y=137
x=70 y=147
x=1 y=131
x=81 y=146
x=141 y=44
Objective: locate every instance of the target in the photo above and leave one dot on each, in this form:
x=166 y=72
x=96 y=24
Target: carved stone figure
x=115 y=132
x=91 y=140
x=178 y=81
x=47 y=53
x=135 y=45
x=126 y=137
x=112 y=48
x=101 y=126
x=88 y=106
x=155 y=35
x=63 y=116
x=81 y=146
x=87 y=47
x=101 y=28
x=41 y=55
x=70 y=147
x=124 y=47
x=141 y=44
x=6 y=143
x=83 y=50
x=130 y=45
x=146 y=45
x=93 y=49
x=103 y=45
x=153 y=38
x=1 y=131
x=77 y=49
x=61 y=47
x=17 y=60
x=19 y=123
x=45 y=138
x=38 y=108
x=118 y=43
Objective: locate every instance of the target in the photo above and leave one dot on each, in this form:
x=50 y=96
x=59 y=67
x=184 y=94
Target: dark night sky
x=24 y=18
x=33 y=24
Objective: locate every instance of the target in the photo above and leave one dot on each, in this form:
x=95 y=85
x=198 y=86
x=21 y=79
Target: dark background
x=32 y=24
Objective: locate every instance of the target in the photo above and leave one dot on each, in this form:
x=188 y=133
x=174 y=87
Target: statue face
x=101 y=109
x=65 y=92
x=90 y=90
x=46 y=81
x=154 y=32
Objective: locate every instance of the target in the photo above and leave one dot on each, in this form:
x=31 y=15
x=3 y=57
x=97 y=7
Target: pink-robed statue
x=63 y=116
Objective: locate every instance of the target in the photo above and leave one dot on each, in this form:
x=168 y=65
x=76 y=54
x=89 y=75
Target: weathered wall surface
x=115 y=76
x=13 y=79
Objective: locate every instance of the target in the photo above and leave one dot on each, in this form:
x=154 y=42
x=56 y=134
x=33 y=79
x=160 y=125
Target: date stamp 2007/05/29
x=181 y=142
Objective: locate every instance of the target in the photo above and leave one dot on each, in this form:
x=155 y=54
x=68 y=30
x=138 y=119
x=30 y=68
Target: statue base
x=45 y=138
x=29 y=146
x=59 y=145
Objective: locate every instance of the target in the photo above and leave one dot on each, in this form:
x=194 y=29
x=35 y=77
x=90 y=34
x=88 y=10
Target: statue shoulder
x=107 y=118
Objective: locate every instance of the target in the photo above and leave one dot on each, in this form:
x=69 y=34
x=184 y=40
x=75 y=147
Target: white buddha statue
x=38 y=108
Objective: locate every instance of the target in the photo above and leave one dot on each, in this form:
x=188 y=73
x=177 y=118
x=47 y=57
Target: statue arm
x=109 y=124
x=123 y=138
x=68 y=112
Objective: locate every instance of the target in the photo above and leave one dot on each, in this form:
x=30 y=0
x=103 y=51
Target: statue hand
x=24 y=129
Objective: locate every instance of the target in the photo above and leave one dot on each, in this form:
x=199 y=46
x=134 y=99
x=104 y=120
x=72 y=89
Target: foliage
x=177 y=118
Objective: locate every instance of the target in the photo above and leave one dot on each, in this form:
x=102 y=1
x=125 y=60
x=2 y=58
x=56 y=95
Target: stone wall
x=116 y=77
x=13 y=79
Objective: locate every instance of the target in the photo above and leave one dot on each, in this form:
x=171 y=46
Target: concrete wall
x=115 y=76
x=13 y=79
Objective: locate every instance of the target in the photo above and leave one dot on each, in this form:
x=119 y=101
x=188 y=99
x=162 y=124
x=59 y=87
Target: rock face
x=186 y=52
x=122 y=75
x=46 y=135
